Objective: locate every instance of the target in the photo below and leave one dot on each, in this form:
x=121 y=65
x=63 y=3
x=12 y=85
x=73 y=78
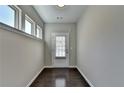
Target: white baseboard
x=60 y=67
x=35 y=77
x=85 y=77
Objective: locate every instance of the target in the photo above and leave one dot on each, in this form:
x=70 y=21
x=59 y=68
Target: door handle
x=66 y=51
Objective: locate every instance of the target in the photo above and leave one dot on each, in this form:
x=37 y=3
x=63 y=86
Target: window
x=10 y=15
x=39 y=32
x=29 y=25
x=7 y=15
x=60 y=46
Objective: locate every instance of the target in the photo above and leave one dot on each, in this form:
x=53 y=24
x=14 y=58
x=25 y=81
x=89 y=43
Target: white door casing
x=60 y=58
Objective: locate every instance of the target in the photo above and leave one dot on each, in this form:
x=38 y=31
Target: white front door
x=60 y=49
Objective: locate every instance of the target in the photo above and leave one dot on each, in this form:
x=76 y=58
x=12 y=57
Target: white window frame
x=17 y=23
x=32 y=24
x=40 y=33
x=17 y=16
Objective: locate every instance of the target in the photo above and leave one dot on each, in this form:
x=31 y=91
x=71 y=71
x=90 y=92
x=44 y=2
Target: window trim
x=17 y=19
x=14 y=30
x=40 y=33
x=32 y=24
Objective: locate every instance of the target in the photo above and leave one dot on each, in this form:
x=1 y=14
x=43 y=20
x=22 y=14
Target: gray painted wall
x=21 y=59
x=100 y=45
x=49 y=28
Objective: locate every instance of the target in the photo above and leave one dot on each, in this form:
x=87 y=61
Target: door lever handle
x=66 y=51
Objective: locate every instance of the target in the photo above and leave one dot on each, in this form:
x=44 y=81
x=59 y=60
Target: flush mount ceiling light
x=61 y=5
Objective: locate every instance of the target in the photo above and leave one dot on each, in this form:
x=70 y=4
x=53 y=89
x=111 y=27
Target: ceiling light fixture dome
x=61 y=5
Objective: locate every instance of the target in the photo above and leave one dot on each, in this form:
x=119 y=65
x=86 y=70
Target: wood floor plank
x=60 y=77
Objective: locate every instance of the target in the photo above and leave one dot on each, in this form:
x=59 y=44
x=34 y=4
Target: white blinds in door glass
x=60 y=46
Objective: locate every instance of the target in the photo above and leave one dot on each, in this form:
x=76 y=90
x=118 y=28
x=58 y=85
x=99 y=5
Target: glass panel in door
x=60 y=47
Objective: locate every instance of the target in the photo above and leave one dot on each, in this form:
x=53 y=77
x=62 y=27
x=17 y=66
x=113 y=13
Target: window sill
x=12 y=29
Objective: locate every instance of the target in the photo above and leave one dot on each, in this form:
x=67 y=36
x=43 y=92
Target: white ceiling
x=66 y=14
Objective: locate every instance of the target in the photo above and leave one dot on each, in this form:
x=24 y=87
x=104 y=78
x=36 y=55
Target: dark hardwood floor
x=60 y=77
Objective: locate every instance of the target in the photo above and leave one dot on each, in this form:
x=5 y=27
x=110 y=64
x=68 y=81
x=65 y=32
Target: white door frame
x=53 y=51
